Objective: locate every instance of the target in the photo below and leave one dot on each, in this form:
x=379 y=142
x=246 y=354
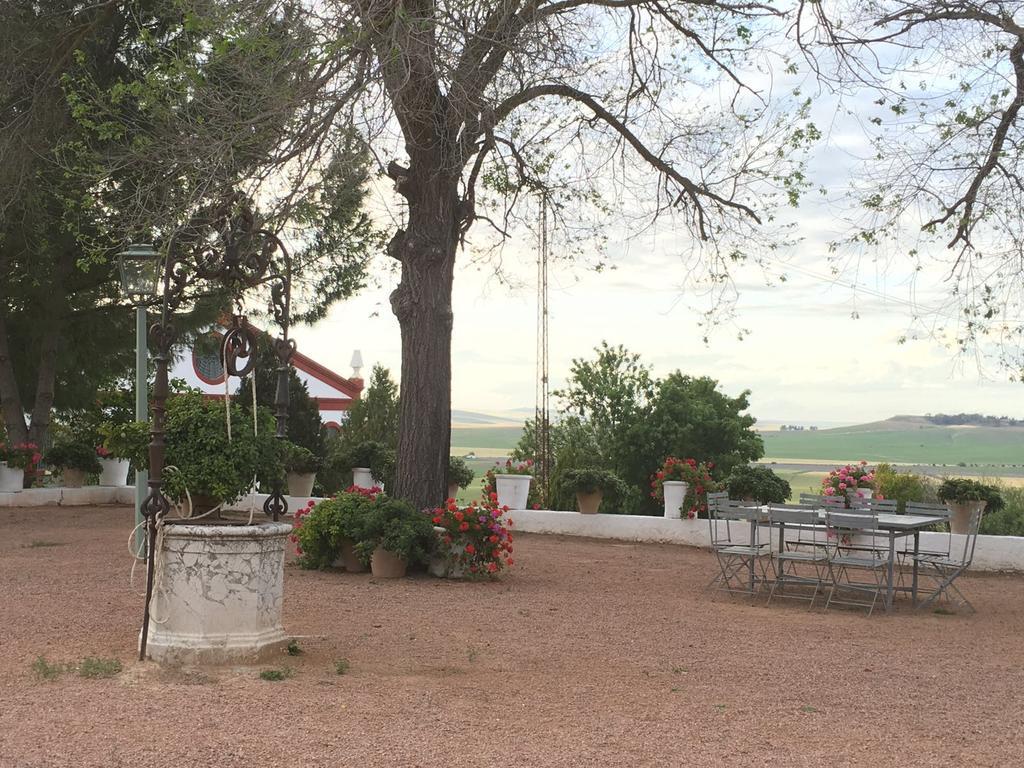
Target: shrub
x=902 y=486
x=129 y=440
x=73 y=455
x=758 y=483
x=593 y=480
x=696 y=475
x=459 y=472
x=320 y=528
x=300 y=460
x=958 y=489
x=394 y=525
x=376 y=456
x=20 y=455
x=477 y=539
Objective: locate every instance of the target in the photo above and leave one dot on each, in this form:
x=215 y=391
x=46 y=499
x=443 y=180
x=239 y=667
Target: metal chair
x=841 y=562
x=875 y=506
x=822 y=502
x=738 y=562
x=945 y=570
x=793 y=565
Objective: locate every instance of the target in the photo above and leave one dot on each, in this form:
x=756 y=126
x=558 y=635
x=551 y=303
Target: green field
x=900 y=440
x=484 y=441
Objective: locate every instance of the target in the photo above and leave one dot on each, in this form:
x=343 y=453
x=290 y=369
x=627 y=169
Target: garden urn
x=675 y=494
x=114 y=473
x=513 y=490
x=387 y=565
x=960 y=514
x=301 y=483
x=589 y=503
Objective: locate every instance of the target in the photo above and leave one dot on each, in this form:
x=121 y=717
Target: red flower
x=437 y=520
x=463 y=526
x=470 y=549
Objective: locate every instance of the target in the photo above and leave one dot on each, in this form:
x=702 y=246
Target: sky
x=820 y=350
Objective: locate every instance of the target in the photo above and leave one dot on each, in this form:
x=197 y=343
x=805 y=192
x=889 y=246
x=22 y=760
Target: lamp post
x=140 y=273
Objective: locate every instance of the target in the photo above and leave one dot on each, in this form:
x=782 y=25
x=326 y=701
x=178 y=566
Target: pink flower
x=830 y=491
x=842 y=486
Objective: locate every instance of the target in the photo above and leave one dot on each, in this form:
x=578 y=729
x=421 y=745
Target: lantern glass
x=140 y=270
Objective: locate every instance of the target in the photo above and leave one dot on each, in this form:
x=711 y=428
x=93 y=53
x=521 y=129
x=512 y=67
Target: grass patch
x=944 y=612
x=341 y=666
x=44 y=670
x=293 y=648
x=276 y=675
x=95 y=667
x=808 y=709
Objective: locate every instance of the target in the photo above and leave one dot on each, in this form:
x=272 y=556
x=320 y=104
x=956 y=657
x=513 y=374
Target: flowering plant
x=477 y=539
x=697 y=476
x=318 y=529
x=841 y=480
x=510 y=468
x=20 y=455
x=517 y=468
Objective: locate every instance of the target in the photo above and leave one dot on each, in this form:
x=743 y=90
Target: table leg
x=892 y=570
x=753 y=543
x=917 y=550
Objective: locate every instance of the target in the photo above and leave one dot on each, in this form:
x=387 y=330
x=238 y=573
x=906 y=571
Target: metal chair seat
x=742 y=549
x=805 y=556
x=851 y=561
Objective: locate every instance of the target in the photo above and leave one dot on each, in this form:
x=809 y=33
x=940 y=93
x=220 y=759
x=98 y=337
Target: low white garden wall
x=992 y=553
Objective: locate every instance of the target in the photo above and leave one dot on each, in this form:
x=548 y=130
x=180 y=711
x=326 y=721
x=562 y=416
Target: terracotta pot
x=348 y=559
x=453 y=490
x=387 y=565
x=960 y=514
x=73 y=478
x=589 y=503
x=301 y=483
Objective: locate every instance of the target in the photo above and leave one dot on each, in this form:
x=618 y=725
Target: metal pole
x=141 y=403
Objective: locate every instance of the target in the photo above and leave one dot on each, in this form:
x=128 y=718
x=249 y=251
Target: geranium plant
x=73 y=455
x=477 y=539
x=320 y=529
x=842 y=480
x=20 y=455
x=696 y=475
x=510 y=468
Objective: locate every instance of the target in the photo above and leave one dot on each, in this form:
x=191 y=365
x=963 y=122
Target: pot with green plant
x=459 y=475
x=301 y=466
x=15 y=460
x=753 y=483
x=395 y=536
x=965 y=498
x=326 y=534
x=125 y=444
x=371 y=463
x=74 y=459
x=590 y=486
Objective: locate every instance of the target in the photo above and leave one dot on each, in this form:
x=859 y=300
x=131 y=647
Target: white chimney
x=357 y=364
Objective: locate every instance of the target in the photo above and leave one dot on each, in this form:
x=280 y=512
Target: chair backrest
x=878 y=506
x=822 y=501
x=927 y=508
x=716 y=500
x=971 y=537
x=851 y=521
x=792 y=514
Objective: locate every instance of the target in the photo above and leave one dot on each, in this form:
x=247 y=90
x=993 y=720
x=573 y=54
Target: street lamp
x=140 y=274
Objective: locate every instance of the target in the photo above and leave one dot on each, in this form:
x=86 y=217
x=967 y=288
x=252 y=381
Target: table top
x=888 y=521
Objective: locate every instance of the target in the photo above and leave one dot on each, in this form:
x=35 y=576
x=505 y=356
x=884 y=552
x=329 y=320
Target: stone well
x=218 y=594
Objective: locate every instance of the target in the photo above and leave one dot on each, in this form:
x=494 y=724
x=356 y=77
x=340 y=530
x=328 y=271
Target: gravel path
x=589 y=653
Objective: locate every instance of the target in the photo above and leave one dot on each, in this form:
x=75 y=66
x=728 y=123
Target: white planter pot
x=11 y=480
x=442 y=561
x=301 y=483
x=362 y=478
x=513 y=490
x=114 y=473
x=219 y=596
x=675 y=493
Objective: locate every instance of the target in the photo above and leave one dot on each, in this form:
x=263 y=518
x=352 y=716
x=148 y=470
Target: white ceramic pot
x=114 y=472
x=362 y=478
x=442 y=561
x=301 y=483
x=11 y=480
x=73 y=478
x=675 y=493
x=453 y=490
x=513 y=490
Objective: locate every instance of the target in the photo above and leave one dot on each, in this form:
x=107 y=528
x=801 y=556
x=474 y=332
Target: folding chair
x=822 y=502
x=738 y=562
x=946 y=569
x=875 y=506
x=842 y=563
x=806 y=563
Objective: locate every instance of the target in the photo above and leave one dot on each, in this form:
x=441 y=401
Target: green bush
x=73 y=455
x=128 y=440
x=964 y=489
x=903 y=486
x=396 y=526
x=320 y=532
x=342 y=459
x=758 y=483
x=207 y=462
x=300 y=460
x=593 y=480
x=459 y=472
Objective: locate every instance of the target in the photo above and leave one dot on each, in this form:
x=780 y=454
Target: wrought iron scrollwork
x=239 y=344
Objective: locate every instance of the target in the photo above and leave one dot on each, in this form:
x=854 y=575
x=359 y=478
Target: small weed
x=42 y=543
x=808 y=709
x=45 y=670
x=720 y=707
x=341 y=666
x=293 y=648
x=471 y=654
x=679 y=670
x=675 y=690
x=944 y=612
x=276 y=675
x=97 y=667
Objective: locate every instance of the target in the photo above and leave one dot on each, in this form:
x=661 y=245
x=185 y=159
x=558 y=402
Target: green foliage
x=396 y=526
x=276 y=675
x=73 y=455
x=958 y=489
x=320 y=532
x=376 y=456
x=95 y=667
x=293 y=648
x=44 y=670
x=300 y=460
x=1008 y=521
x=592 y=480
x=127 y=440
x=757 y=483
x=341 y=666
x=902 y=486
x=207 y=462
x=374 y=416
x=459 y=472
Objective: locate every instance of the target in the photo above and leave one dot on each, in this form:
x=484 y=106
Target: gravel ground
x=589 y=653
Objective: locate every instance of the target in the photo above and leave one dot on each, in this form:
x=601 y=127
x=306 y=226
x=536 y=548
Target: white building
x=202 y=367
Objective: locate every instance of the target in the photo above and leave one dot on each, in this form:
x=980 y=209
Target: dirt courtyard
x=588 y=653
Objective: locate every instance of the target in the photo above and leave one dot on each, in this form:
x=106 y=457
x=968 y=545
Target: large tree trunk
x=39 y=425
x=423 y=305
x=10 y=398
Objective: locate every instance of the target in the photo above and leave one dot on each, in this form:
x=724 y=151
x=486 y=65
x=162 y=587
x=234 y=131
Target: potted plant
x=74 y=459
x=683 y=484
x=850 y=480
x=301 y=466
x=761 y=484
x=965 y=498
x=15 y=461
x=371 y=463
x=326 y=534
x=395 y=535
x=512 y=483
x=475 y=541
x=590 y=486
x=124 y=444
x=459 y=475
x=210 y=468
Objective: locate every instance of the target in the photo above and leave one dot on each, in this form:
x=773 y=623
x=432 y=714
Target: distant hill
x=472 y=417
